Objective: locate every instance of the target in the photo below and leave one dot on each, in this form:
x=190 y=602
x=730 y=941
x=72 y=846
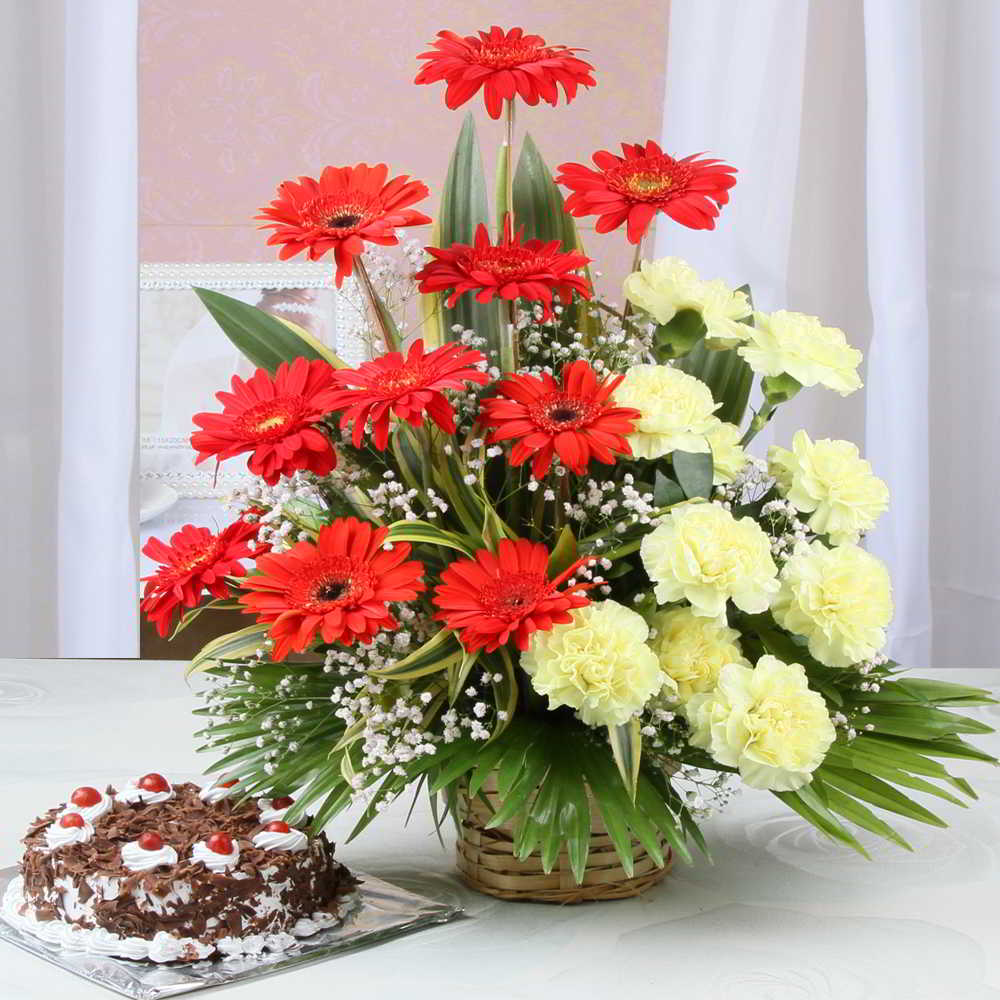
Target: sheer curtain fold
x=70 y=267
x=862 y=130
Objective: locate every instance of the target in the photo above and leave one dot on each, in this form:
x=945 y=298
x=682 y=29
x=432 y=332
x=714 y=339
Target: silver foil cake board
x=385 y=911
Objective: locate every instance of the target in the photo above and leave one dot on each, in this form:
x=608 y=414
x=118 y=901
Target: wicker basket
x=486 y=861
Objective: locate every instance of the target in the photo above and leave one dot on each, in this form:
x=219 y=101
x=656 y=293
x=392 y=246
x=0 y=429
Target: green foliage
x=910 y=731
x=728 y=376
x=694 y=473
x=538 y=209
x=678 y=337
x=265 y=341
x=463 y=207
x=543 y=775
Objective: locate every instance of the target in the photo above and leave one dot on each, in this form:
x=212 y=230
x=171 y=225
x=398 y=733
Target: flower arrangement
x=529 y=551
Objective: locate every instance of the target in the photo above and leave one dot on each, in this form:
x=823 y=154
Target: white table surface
x=781 y=915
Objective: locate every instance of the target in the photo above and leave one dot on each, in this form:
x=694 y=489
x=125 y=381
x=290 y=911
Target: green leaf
x=538 y=209
x=779 y=389
x=726 y=374
x=265 y=341
x=435 y=655
x=694 y=473
x=878 y=793
x=665 y=491
x=424 y=533
x=459 y=672
x=679 y=336
x=564 y=553
x=811 y=807
x=235 y=646
x=463 y=207
x=863 y=817
x=626 y=748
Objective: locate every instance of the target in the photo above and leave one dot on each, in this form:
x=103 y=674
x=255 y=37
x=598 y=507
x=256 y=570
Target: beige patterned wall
x=236 y=95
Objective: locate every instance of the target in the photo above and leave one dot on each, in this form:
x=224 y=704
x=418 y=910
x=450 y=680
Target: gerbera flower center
x=506 y=55
x=198 y=558
x=503 y=261
x=560 y=411
x=396 y=381
x=333 y=213
x=271 y=418
x=513 y=594
x=649 y=178
x=331 y=582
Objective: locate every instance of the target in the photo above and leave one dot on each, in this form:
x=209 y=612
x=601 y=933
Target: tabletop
x=780 y=914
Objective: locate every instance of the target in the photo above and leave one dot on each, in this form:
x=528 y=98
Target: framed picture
x=184 y=359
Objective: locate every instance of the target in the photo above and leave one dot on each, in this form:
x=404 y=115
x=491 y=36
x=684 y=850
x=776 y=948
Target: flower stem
x=759 y=422
x=636 y=262
x=366 y=282
x=509 y=157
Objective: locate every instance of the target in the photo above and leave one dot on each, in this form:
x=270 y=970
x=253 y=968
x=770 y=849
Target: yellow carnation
x=664 y=287
x=728 y=456
x=766 y=722
x=840 y=599
x=798 y=345
x=692 y=649
x=598 y=664
x=832 y=482
x=677 y=410
x=702 y=554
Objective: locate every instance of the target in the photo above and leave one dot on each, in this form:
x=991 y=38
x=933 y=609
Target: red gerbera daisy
x=511 y=269
x=406 y=387
x=337 y=588
x=507 y=593
x=340 y=211
x=273 y=417
x=646 y=181
x=503 y=63
x=575 y=419
x=194 y=561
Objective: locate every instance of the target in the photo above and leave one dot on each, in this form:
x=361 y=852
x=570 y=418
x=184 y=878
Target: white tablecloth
x=780 y=915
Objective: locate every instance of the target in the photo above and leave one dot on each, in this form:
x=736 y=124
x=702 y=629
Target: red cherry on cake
x=278 y=826
x=150 y=841
x=153 y=782
x=282 y=802
x=85 y=796
x=70 y=820
x=220 y=843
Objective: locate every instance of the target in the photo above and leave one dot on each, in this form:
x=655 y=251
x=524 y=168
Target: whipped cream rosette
x=149 y=789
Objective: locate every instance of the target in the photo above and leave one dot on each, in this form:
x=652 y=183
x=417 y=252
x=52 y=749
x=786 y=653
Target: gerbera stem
x=366 y=282
x=509 y=193
x=636 y=262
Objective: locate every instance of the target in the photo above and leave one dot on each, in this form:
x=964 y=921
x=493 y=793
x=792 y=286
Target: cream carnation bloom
x=765 y=721
x=832 y=482
x=664 y=287
x=798 y=345
x=840 y=599
x=693 y=649
x=677 y=410
x=702 y=554
x=598 y=664
x=728 y=456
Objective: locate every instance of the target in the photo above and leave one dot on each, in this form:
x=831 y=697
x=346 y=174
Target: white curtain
x=69 y=266
x=866 y=136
